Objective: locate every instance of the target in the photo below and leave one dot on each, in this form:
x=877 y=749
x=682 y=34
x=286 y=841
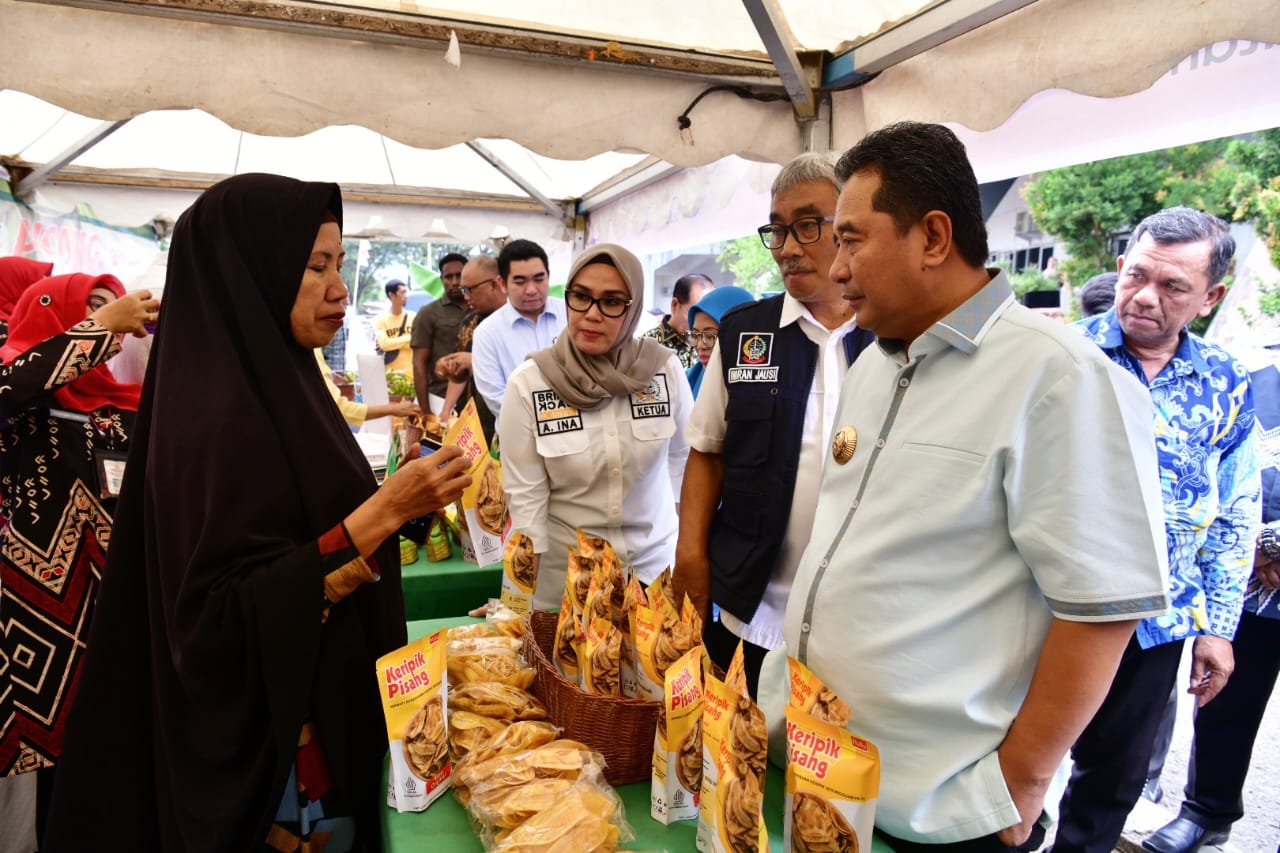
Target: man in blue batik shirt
x=1209 y=471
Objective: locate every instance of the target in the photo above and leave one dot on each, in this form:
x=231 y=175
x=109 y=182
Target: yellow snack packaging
x=413 y=684
x=633 y=597
x=661 y=637
x=833 y=776
x=565 y=647
x=677 y=742
x=484 y=503
x=519 y=573
x=734 y=752
x=599 y=666
x=577 y=580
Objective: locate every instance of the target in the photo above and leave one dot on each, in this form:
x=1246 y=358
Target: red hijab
x=16 y=275
x=47 y=309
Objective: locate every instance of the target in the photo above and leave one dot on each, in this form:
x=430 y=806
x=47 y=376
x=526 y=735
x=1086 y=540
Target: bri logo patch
x=755 y=356
x=553 y=415
x=654 y=401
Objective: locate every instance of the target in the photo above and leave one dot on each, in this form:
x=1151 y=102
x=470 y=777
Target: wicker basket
x=619 y=729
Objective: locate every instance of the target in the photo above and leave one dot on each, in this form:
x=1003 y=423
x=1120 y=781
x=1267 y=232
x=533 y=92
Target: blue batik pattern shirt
x=1209 y=477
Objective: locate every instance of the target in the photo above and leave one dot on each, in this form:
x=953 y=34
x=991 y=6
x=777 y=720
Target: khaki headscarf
x=589 y=381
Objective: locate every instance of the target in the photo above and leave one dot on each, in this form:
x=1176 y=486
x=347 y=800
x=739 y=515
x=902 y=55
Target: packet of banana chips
x=412 y=681
x=484 y=503
x=833 y=777
x=734 y=752
x=661 y=636
x=519 y=573
x=677 y=743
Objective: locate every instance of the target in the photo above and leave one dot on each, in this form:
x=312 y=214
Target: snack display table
x=448 y=588
x=444 y=827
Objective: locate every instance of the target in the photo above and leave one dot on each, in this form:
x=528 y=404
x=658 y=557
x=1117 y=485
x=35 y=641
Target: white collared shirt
x=614 y=471
x=504 y=339
x=706 y=434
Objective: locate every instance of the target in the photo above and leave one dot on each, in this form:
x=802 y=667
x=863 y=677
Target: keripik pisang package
x=484 y=503
x=833 y=776
x=734 y=752
x=677 y=743
x=413 y=684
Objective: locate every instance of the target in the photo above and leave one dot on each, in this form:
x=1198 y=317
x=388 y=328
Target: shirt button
x=824 y=564
x=904 y=382
x=804 y=627
x=855 y=504
x=879 y=442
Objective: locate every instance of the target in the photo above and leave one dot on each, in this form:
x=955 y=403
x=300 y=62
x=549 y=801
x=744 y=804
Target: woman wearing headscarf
x=592 y=429
x=16 y=275
x=229 y=699
x=704 y=326
x=64 y=420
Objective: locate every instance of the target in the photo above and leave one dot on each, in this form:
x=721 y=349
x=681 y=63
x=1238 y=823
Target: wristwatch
x=1269 y=543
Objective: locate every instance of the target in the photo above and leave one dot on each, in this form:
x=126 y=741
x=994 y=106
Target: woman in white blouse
x=592 y=429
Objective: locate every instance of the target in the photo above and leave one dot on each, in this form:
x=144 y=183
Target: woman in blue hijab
x=704 y=325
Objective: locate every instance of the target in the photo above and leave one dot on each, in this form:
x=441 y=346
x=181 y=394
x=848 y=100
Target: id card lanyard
x=108 y=459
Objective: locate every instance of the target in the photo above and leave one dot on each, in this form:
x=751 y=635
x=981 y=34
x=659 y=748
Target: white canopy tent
x=558 y=120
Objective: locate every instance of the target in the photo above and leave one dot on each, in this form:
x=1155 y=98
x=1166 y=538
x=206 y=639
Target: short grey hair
x=1175 y=225
x=806 y=169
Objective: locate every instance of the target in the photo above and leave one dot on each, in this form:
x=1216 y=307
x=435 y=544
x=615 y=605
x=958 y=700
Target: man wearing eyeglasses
x=435 y=334
x=484 y=292
x=671 y=331
x=529 y=321
x=761 y=424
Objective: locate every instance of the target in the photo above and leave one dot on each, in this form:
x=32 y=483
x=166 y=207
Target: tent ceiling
x=563 y=93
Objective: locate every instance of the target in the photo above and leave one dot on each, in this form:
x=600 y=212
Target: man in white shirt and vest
x=760 y=425
x=529 y=321
x=968 y=588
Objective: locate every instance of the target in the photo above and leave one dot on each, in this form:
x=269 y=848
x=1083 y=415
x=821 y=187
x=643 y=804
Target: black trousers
x=721 y=643
x=1112 y=753
x=1227 y=726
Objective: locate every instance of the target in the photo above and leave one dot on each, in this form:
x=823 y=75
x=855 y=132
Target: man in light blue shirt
x=529 y=321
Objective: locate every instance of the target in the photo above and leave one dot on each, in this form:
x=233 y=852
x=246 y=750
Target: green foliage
x=1086 y=205
x=1030 y=279
x=751 y=264
x=1256 y=194
x=386 y=259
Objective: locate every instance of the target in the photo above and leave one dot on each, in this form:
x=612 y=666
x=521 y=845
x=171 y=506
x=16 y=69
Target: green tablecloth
x=448 y=588
x=443 y=826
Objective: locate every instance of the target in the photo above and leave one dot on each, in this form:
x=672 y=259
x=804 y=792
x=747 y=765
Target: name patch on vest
x=654 y=401
x=755 y=358
x=553 y=415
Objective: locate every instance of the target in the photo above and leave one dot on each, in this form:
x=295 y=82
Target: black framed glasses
x=610 y=305
x=468 y=289
x=805 y=230
x=707 y=338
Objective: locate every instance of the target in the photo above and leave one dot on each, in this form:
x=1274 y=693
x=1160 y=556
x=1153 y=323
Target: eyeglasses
x=707 y=338
x=468 y=289
x=609 y=305
x=804 y=231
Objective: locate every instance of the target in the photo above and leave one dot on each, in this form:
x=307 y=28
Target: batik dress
x=54 y=547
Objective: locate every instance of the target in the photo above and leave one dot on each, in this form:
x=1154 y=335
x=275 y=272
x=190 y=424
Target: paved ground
x=1259 y=830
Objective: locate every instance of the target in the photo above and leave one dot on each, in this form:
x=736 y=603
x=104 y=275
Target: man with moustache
x=968 y=588
x=435 y=334
x=1205 y=437
x=484 y=292
x=761 y=423
x=529 y=321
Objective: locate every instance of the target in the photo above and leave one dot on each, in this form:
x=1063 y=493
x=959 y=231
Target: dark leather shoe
x=1152 y=791
x=1183 y=836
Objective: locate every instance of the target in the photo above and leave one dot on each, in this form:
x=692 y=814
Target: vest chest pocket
x=748 y=431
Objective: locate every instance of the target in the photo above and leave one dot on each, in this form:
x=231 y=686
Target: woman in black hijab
x=254 y=573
